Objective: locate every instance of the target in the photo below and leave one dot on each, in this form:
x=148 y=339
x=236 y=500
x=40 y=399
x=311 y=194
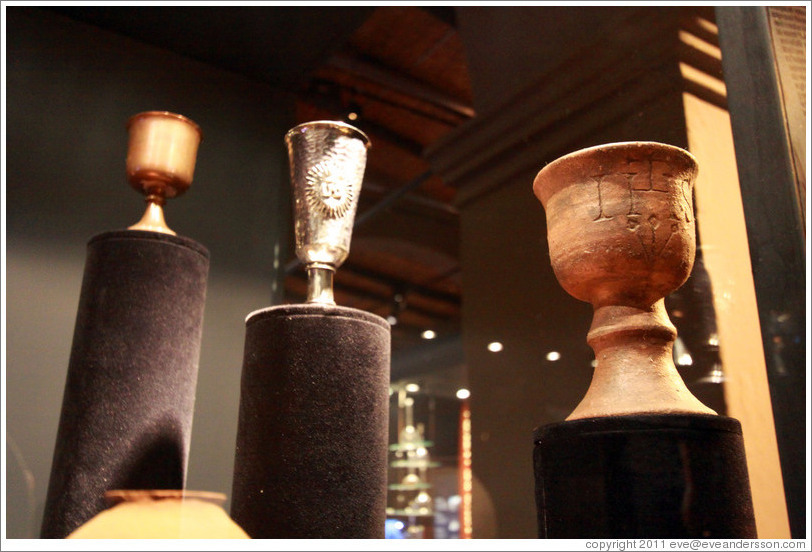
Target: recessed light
x=412 y=388
x=495 y=346
x=463 y=394
x=428 y=334
x=552 y=356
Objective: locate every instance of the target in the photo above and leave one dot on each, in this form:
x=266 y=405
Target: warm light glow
x=428 y=334
x=466 y=476
x=352 y=116
x=412 y=388
x=410 y=479
x=495 y=346
x=552 y=356
x=392 y=320
x=685 y=360
x=463 y=394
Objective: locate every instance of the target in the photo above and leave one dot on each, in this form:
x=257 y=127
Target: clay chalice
x=621 y=233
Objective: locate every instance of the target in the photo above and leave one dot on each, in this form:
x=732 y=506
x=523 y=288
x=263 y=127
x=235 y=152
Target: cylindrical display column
x=643 y=476
x=129 y=397
x=313 y=424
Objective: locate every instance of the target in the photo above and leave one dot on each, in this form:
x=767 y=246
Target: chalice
x=621 y=233
x=161 y=157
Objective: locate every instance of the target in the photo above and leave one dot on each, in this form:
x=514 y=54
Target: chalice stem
x=320 y=283
x=153 y=218
x=635 y=370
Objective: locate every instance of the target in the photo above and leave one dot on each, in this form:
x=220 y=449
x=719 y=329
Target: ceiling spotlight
x=428 y=334
x=495 y=346
x=353 y=111
x=463 y=394
x=412 y=388
x=552 y=356
x=392 y=319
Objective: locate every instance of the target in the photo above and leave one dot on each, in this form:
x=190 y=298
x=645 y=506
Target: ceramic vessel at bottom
x=161 y=514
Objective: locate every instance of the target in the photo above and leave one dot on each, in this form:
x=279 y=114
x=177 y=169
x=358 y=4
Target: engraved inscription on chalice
x=620 y=198
x=329 y=190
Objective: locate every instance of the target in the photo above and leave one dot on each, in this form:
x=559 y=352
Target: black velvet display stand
x=129 y=397
x=313 y=424
x=643 y=476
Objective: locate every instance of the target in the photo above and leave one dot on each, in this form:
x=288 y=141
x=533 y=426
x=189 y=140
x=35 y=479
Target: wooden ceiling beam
x=383 y=76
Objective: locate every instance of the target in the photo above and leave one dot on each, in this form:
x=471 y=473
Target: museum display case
x=425 y=462
x=458 y=278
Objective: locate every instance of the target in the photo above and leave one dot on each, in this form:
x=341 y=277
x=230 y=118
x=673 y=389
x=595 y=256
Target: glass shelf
x=414 y=463
x=409 y=487
x=411 y=446
x=409 y=513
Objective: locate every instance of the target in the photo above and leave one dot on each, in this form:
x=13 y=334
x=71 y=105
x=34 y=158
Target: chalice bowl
x=621 y=235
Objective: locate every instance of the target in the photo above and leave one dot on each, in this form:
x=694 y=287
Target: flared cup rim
x=340 y=126
x=544 y=191
x=117 y=496
x=166 y=115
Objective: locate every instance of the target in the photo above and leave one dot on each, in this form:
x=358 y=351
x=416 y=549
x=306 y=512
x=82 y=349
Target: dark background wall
x=70 y=90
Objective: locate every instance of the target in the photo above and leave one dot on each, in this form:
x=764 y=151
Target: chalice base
x=643 y=476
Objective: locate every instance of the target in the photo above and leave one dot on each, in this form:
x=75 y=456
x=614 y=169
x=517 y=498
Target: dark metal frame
x=775 y=231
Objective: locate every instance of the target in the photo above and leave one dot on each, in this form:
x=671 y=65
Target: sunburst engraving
x=329 y=190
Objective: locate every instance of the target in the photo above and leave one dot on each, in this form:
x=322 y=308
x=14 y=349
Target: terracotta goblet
x=621 y=233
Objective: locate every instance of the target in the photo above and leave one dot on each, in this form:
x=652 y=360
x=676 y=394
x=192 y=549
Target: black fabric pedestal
x=129 y=397
x=313 y=425
x=643 y=476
